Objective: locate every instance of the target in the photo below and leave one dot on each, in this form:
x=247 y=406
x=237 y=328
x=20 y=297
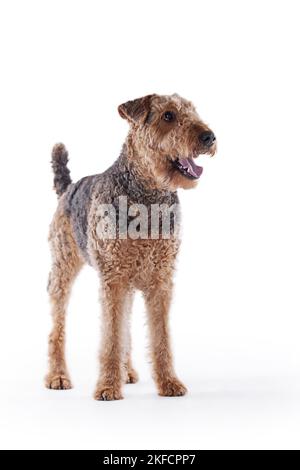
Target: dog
x=89 y=226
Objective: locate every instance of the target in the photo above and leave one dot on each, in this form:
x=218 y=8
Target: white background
x=65 y=67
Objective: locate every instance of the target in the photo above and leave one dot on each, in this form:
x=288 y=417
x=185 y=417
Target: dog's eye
x=169 y=116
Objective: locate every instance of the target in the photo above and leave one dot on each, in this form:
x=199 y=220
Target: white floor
x=242 y=369
x=218 y=413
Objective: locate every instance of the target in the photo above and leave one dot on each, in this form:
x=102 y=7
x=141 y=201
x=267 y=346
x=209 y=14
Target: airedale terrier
x=165 y=136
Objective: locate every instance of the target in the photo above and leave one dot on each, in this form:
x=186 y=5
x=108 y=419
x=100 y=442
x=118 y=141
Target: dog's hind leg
x=66 y=265
x=131 y=376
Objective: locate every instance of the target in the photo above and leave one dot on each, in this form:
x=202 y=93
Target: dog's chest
x=154 y=261
x=137 y=261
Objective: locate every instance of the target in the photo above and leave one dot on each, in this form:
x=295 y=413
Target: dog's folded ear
x=136 y=110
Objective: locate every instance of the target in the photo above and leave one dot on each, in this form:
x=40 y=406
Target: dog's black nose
x=207 y=138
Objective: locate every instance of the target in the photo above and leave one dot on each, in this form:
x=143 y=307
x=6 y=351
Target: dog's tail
x=61 y=171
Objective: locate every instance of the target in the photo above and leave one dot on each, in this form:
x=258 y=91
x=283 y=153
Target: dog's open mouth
x=188 y=167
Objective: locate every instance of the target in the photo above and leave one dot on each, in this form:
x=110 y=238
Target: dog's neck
x=138 y=182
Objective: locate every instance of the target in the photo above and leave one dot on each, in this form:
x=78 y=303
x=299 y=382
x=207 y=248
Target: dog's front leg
x=158 y=300
x=109 y=386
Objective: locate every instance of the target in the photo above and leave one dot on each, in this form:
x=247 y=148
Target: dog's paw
x=58 y=382
x=172 y=388
x=107 y=393
x=132 y=377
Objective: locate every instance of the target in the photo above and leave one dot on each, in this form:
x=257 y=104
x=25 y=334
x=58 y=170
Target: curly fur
x=144 y=174
x=61 y=172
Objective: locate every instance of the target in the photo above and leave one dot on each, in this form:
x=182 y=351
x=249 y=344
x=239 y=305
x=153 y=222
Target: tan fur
x=66 y=265
x=125 y=265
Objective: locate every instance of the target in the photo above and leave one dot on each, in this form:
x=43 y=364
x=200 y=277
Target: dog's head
x=166 y=136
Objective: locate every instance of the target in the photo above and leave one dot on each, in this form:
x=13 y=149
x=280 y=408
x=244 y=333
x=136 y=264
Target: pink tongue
x=191 y=167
